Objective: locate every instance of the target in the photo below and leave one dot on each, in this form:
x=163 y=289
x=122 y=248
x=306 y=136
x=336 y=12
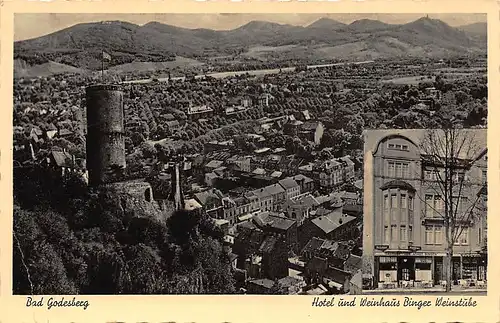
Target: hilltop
x=81 y=45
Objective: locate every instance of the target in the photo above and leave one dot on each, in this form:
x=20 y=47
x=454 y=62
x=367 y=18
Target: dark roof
x=274 y=221
x=353 y=263
x=232 y=256
x=62 y=159
x=317 y=264
x=301 y=177
x=65 y=132
x=313 y=245
x=337 y=275
x=266 y=283
x=288 y=183
x=397 y=183
x=268 y=244
x=310 y=125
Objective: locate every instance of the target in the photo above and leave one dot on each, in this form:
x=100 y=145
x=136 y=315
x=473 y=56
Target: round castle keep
x=105 y=133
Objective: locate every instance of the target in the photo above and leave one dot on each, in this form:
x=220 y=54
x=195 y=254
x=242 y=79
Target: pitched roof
x=191 y=204
x=313 y=245
x=214 y=164
x=288 y=183
x=266 y=283
x=203 y=197
x=268 y=244
x=332 y=221
x=317 y=264
x=273 y=220
x=65 y=132
x=310 y=125
x=353 y=263
x=62 y=158
x=301 y=177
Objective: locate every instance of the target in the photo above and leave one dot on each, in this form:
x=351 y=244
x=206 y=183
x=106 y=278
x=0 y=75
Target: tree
x=449 y=157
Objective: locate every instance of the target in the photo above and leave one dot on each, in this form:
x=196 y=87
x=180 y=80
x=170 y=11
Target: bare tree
x=449 y=159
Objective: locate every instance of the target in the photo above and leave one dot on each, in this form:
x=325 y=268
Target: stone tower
x=105 y=134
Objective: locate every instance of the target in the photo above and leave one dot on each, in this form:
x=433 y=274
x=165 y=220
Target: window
x=391 y=169
x=459 y=176
x=398 y=147
x=429 y=234
x=438 y=237
x=429 y=212
x=484 y=176
x=403 y=201
x=394 y=207
x=406 y=170
x=410 y=209
x=438 y=205
x=402 y=233
x=386 y=235
x=463 y=239
x=410 y=233
x=393 y=201
x=386 y=209
x=399 y=170
x=431 y=175
x=434 y=206
x=393 y=233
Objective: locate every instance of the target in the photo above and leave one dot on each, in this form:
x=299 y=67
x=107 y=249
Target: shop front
x=404 y=271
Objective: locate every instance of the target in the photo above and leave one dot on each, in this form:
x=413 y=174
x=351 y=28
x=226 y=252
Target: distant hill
x=368 y=25
x=478 y=28
x=326 y=23
x=81 y=45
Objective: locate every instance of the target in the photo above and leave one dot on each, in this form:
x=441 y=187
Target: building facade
x=404 y=219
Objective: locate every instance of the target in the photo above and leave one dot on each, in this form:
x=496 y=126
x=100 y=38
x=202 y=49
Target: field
x=21 y=69
x=153 y=66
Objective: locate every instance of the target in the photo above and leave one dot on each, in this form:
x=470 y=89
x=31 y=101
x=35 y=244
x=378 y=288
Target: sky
x=31 y=25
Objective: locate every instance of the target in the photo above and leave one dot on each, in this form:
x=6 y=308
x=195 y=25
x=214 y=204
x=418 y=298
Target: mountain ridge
x=80 y=45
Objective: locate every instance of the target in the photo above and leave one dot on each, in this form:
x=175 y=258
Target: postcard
x=249 y=162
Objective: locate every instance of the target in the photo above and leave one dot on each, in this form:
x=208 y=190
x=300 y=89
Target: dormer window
x=398 y=147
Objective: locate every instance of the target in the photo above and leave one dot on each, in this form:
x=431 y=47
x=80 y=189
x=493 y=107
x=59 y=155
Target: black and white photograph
x=248 y=153
x=425 y=215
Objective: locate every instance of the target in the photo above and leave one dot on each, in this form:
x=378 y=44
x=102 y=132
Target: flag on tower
x=106 y=56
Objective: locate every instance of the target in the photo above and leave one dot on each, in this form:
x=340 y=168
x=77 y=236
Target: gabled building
x=291 y=187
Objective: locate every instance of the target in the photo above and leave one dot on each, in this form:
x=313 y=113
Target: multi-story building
x=291 y=187
x=404 y=201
